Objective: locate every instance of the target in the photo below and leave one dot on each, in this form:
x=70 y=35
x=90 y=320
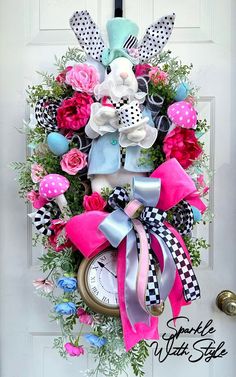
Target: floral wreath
x=131 y=118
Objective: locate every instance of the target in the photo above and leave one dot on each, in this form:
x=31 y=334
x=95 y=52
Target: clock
x=97 y=282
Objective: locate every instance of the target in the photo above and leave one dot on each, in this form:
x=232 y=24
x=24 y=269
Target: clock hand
x=102 y=265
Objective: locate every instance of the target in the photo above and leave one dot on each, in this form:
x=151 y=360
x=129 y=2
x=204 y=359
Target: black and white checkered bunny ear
x=156 y=37
x=88 y=34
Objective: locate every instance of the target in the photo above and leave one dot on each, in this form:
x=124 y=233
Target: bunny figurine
x=117 y=126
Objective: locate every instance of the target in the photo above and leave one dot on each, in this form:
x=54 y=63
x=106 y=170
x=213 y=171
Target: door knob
x=226 y=302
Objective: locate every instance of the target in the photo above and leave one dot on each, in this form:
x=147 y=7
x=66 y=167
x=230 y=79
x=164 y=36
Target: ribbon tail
x=134 y=310
x=176 y=296
x=142 y=330
x=167 y=265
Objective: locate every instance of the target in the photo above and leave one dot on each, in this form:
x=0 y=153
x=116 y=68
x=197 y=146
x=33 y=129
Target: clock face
x=102 y=279
x=97 y=282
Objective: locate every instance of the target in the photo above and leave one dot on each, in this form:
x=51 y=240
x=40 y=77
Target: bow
x=136 y=219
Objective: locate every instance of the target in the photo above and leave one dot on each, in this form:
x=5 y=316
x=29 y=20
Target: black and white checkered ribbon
x=46 y=112
x=42 y=219
x=118 y=199
x=153 y=220
x=183 y=218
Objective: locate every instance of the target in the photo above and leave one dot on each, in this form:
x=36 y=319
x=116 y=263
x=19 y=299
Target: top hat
x=131 y=120
x=122 y=35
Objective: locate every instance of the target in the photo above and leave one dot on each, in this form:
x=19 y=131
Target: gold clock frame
x=82 y=278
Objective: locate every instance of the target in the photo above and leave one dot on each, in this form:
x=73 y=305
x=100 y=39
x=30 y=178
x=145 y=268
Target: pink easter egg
x=183 y=114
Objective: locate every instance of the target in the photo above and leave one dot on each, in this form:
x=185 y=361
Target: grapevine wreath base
x=115 y=175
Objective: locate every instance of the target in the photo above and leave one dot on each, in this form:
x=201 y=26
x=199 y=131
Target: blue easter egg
x=182 y=92
x=57 y=143
x=196 y=214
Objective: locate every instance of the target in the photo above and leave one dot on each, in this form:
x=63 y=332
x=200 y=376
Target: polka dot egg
x=53 y=185
x=182 y=114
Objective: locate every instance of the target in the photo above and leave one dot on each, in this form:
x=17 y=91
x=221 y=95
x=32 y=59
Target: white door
x=31 y=33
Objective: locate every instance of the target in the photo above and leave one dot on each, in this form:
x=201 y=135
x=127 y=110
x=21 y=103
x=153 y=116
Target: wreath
x=116 y=175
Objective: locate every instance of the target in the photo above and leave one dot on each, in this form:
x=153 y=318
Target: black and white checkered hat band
x=42 y=220
x=46 y=112
x=183 y=218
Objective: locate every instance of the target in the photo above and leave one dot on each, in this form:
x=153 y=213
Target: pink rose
x=83 y=78
x=158 y=76
x=62 y=76
x=182 y=144
x=73 y=161
x=74 y=112
x=94 y=202
x=44 y=284
x=58 y=227
x=84 y=317
x=36 y=200
x=74 y=350
x=37 y=172
x=142 y=69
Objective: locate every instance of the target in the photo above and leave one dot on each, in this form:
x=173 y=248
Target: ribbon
x=46 y=112
x=183 y=218
x=42 y=219
x=140 y=216
x=84 y=232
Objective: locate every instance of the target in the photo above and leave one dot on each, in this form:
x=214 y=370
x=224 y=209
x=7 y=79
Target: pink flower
x=133 y=52
x=73 y=161
x=182 y=144
x=62 y=76
x=94 y=202
x=142 y=69
x=158 y=76
x=84 y=317
x=58 y=227
x=74 y=112
x=201 y=185
x=74 y=350
x=37 y=172
x=83 y=78
x=36 y=200
x=43 y=284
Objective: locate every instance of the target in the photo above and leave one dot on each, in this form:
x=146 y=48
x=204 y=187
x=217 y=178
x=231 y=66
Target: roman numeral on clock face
x=105 y=299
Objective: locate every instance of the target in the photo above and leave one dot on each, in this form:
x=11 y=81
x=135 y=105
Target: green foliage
x=177 y=73
x=73 y=54
x=49 y=86
x=153 y=156
x=67 y=260
x=138 y=355
x=202 y=126
x=194 y=246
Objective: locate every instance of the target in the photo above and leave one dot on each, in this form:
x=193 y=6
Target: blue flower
x=95 y=340
x=66 y=308
x=68 y=284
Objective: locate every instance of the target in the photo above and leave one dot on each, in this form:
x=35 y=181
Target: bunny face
x=120 y=72
x=120 y=80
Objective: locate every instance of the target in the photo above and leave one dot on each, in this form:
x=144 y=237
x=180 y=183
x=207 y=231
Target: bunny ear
x=156 y=37
x=88 y=34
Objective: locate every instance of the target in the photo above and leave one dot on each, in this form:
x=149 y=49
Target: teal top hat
x=122 y=33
